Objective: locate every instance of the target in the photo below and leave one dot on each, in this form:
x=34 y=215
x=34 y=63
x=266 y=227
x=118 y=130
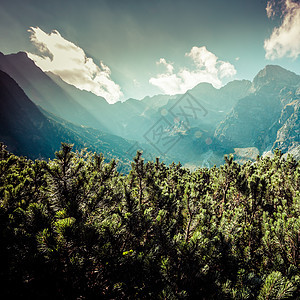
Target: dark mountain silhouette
x=44 y=92
x=23 y=127
x=27 y=131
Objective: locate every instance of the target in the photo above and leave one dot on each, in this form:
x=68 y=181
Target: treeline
x=74 y=228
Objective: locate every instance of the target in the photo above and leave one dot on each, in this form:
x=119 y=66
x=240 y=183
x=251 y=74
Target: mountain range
x=31 y=131
x=39 y=110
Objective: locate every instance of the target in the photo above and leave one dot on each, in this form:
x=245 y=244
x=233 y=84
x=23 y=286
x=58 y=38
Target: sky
x=121 y=49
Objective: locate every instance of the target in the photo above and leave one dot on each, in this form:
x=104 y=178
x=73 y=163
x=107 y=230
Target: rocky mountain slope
x=288 y=136
x=258 y=119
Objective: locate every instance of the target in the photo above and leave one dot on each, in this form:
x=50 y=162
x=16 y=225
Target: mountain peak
x=275 y=73
x=20 y=54
x=204 y=85
x=236 y=84
x=274 y=69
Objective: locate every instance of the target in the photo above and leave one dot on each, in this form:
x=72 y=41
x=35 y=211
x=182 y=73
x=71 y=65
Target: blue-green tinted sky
x=131 y=36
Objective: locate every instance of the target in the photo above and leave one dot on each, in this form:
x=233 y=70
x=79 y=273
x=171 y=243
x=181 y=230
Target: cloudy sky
x=123 y=49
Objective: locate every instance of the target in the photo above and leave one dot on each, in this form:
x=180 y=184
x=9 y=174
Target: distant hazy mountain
x=28 y=131
x=129 y=119
x=225 y=97
x=206 y=109
x=219 y=102
x=158 y=101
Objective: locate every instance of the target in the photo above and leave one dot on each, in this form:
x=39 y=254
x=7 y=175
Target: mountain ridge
x=254 y=120
x=241 y=114
x=43 y=91
x=35 y=133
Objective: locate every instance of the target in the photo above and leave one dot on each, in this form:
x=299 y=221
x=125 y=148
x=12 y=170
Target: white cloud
x=270 y=9
x=285 y=39
x=226 y=69
x=69 y=61
x=207 y=68
x=168 y=66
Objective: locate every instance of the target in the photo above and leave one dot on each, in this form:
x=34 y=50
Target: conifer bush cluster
x=75 y=228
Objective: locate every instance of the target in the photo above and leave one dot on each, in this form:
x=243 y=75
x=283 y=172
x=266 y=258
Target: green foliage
x=74 y=228
x=276 y=287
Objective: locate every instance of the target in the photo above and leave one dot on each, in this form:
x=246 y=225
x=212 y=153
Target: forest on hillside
x=75 y=228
